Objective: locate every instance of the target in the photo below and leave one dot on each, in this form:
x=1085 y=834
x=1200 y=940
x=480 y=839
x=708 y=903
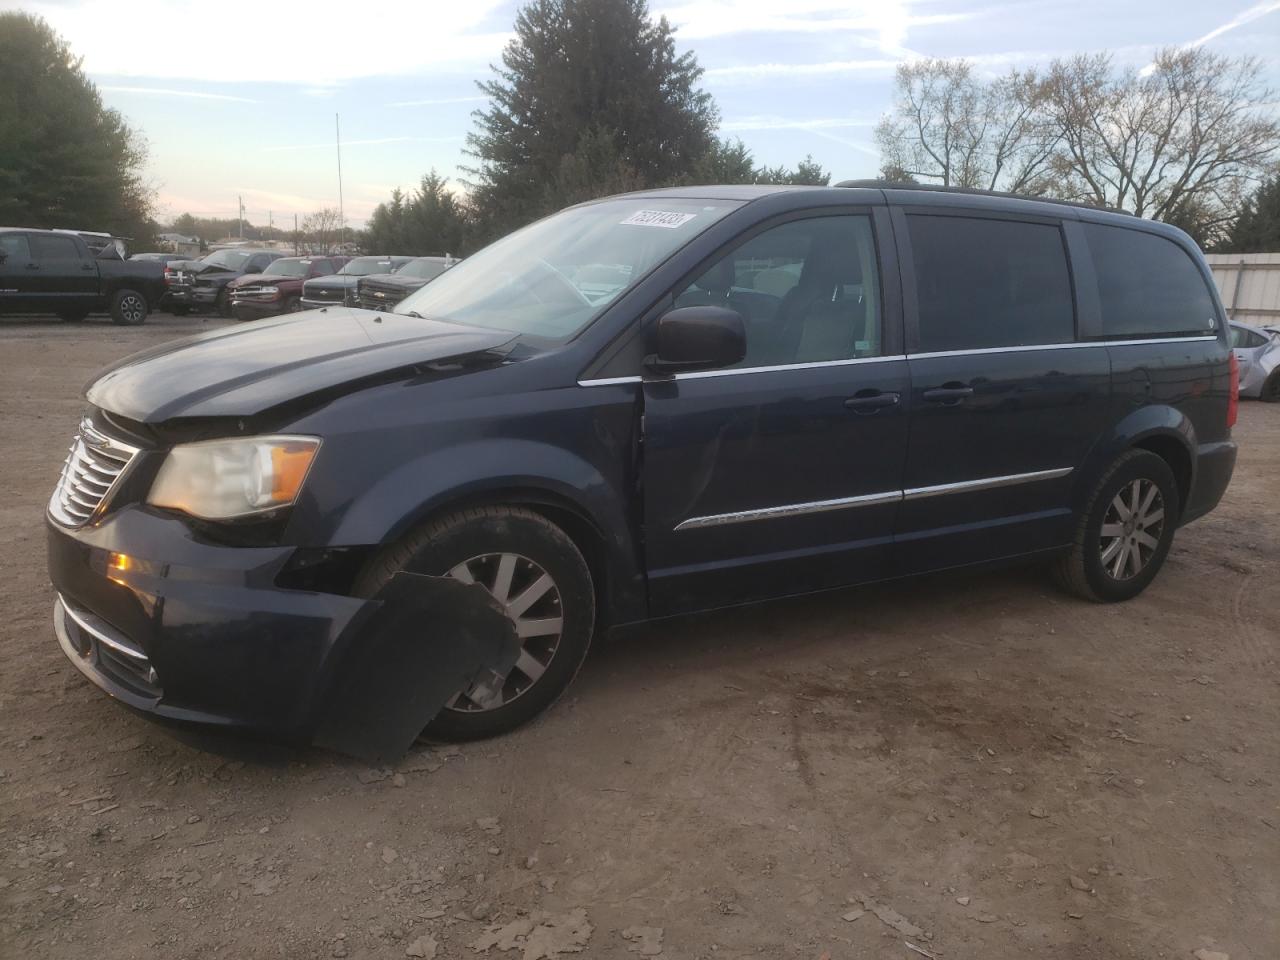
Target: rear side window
x=44 y=247
x=1148 y=285
x=14 y=245
x=990 y=283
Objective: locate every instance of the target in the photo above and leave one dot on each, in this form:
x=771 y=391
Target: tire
x=128 y=308
x=479 y=540
x=180 y=311
x=1096 y=567
x=222 y=305
x=1271 y=389
x=293 y=305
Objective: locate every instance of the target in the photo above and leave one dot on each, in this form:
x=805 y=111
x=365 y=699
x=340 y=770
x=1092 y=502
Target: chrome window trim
x=735 y=371
x=1075 y=345
x=871 y=499
x=986 y=483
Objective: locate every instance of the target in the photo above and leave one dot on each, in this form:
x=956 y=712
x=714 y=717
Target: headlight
x=227 y=479
x=269 y=290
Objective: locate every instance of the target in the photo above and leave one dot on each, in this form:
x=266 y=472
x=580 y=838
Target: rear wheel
x=538 y=574
x=1125 y=532
x=128 y=308
x=1271 y=389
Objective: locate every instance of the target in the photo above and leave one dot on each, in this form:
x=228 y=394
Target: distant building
x=179 y=243
x=1249 y=284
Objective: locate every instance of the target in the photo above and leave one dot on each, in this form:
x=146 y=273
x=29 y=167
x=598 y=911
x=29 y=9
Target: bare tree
x=321 y=230
x=1187 y=134
x=950 y=126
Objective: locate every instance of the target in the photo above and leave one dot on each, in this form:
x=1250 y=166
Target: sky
x=239 y=100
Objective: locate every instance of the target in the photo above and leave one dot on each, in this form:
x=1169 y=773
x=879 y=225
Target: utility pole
x=241 y=219
x=342 y=220
x=295 y=234
x=271 y=225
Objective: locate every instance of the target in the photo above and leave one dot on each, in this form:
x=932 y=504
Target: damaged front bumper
x=202 y=633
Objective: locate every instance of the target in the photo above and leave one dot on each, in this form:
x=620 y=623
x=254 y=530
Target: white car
x=1257 y=350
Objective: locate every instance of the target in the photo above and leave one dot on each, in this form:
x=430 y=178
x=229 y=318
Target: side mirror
x=698 y=338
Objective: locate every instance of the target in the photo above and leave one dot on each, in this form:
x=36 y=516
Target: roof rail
x=971 y=191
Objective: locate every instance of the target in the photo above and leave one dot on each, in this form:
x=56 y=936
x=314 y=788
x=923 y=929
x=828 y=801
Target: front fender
x=492 y=470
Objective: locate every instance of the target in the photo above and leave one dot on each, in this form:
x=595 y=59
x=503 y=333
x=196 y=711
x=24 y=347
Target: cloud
x=320 y=43
x=1239 y=20
x=360 y=143
x=757 y=70
x=782 y=123
x=435 y=102
x=164 y=92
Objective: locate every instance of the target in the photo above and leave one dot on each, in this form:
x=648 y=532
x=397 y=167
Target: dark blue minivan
x=639 y=407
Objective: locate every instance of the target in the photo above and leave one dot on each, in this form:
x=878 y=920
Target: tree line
x=591 y=97
x=1188 y=139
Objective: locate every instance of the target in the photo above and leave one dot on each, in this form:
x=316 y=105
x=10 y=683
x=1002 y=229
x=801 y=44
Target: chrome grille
x=92 y=468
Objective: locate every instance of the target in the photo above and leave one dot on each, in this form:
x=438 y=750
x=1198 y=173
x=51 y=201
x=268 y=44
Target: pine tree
x=590 y=96
x=66 y=160
x=1257 y=228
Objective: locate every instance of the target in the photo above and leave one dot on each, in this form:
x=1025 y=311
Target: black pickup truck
x=51 y=271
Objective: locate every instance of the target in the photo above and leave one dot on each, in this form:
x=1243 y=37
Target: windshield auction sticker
x=659 y=218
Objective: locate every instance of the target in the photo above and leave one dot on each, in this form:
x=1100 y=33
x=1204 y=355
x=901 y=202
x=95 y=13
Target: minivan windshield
x=555 y=276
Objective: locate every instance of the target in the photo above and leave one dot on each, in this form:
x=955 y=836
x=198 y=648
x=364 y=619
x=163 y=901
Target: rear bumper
x=1215 y=463
x=195 y=632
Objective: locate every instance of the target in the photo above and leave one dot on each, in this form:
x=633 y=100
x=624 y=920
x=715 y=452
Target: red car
x=279 y=290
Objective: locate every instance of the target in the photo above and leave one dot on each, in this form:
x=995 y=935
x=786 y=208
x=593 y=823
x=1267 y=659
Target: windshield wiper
x=414 y=313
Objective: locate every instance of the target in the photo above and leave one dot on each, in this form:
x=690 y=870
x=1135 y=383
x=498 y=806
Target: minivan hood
x=243 y=371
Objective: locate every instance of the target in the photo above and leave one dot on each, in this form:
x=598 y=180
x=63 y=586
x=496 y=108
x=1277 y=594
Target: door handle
x=949 y=393
x=86 y=266
x=869 y=401
x=33 y=266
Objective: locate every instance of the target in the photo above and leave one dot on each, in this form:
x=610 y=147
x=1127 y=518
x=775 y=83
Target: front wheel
x=128 y=308
x=1125 y=531
x=536 y=572
x=222 y=305
x=292 y=305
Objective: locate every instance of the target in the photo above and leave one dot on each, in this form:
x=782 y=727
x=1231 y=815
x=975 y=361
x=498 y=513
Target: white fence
x=1249 y=284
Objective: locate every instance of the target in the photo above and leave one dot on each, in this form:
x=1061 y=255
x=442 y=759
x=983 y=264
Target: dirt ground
x=974 y=765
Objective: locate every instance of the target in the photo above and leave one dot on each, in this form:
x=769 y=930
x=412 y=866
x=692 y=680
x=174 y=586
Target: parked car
x=1257 y=350
x=279 y=289
x=379 y=291
x=432 y=510
x=340 y=288
x=196 y=284
x=54 y=271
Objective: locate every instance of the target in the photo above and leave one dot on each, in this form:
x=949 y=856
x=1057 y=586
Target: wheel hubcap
x=132 y=308
x=532 y=601
x=1131 y=529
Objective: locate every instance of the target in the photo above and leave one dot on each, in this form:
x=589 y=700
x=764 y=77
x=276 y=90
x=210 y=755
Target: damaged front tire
x=534 y=572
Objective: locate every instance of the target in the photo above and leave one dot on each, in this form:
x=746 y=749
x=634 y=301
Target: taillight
x=168 y=277
x=1233 y=398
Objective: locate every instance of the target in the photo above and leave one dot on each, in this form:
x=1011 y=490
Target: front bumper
x=256 y=309
x=317 y=304
x=190 y=296
x=192 y=631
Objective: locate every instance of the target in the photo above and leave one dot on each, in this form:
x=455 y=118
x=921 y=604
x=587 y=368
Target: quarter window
x=14 y=245
x=1148 y=285
x=807 y=291
x=45 y=247
x=990 y=283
